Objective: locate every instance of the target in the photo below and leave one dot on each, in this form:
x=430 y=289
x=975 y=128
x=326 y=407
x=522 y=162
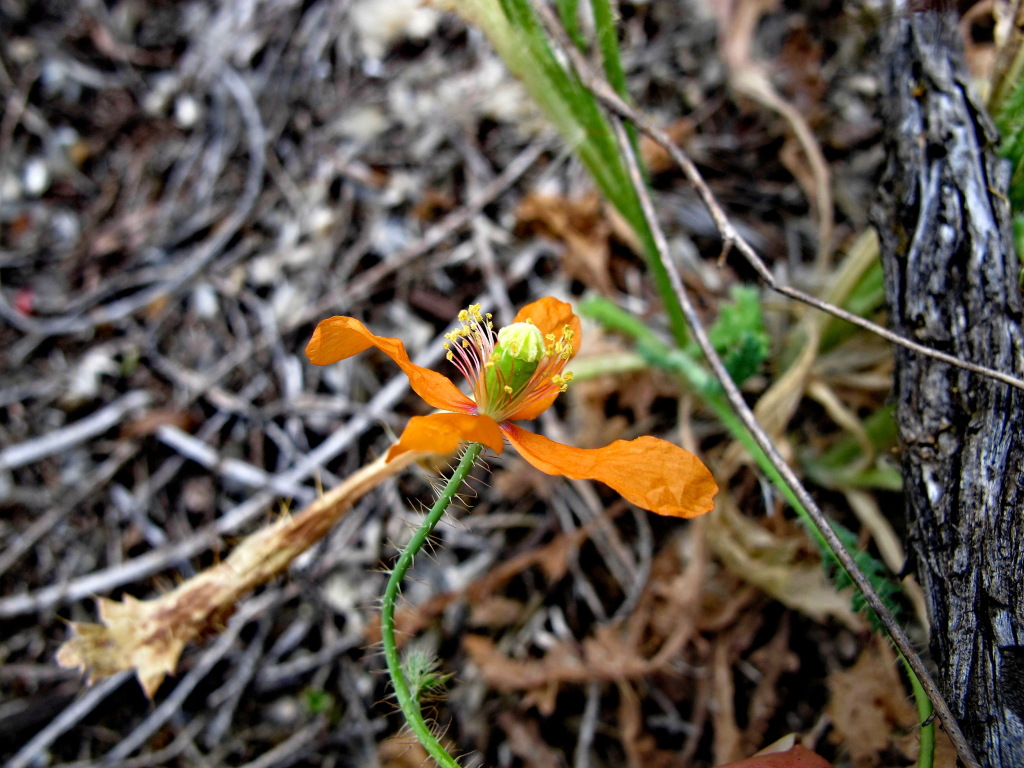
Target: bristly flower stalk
x=408 y=689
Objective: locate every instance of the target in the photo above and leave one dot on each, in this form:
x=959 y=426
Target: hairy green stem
x=407 y=700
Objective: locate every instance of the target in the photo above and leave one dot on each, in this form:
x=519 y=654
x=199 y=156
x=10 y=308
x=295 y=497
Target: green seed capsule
x=517 y=354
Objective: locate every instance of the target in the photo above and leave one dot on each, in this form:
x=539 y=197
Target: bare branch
x=73 y=434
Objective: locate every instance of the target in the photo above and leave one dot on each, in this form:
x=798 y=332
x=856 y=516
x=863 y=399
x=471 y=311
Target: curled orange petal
x=443 y=432
x=338 y=338
x=551 y=316
x=651 y=473
x=532 y=411
x=535 y=409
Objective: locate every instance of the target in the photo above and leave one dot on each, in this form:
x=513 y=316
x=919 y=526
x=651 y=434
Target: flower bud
x=523 y=340
x=516 y=356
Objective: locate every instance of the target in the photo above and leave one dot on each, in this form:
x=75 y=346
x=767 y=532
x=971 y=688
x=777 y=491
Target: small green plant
x=319 y=702
x=738 y=335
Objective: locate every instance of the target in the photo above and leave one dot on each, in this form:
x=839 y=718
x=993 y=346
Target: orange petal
x=551 y=316
x=338 y=338
x=532 y=411
x=442 y=433
x=649 y=472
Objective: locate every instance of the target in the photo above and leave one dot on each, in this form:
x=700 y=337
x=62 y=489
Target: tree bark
x=952 y=283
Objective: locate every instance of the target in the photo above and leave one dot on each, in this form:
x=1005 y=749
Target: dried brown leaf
x=774 y=563
x=582 y=225
x=606 y=656
x=149 y=635
x=868 y=706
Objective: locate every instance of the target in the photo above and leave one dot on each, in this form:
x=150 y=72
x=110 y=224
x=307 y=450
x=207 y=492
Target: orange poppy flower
x=516 y=373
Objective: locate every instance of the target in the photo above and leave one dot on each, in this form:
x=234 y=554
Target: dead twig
x=292 y=748
x=181 y=273
x=234 y=470
x=66 y=720
x=65 y=505
x=363 y=285
x=73 y=434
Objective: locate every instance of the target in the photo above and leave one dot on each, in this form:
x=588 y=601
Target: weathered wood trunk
x=952 y=283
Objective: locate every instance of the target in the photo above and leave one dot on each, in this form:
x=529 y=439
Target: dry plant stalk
x=149 y=635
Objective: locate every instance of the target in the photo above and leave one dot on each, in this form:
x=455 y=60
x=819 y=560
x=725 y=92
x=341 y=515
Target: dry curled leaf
x=149 y=635
x=581 y=224
x=774 y=564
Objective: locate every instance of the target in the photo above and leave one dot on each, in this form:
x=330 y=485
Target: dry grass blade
x=73 y=434
x=737 y=23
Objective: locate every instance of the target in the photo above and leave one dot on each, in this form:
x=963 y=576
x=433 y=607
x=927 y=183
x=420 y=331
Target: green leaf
x=739 y=336
x=887 y=587
x=421 y=673
x=318 y=702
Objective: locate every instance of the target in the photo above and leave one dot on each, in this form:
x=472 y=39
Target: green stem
x=407 y=701
x=606 y=25
x=650 y=348
x=568 y=11
x=925 y=713
x=521 y=41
